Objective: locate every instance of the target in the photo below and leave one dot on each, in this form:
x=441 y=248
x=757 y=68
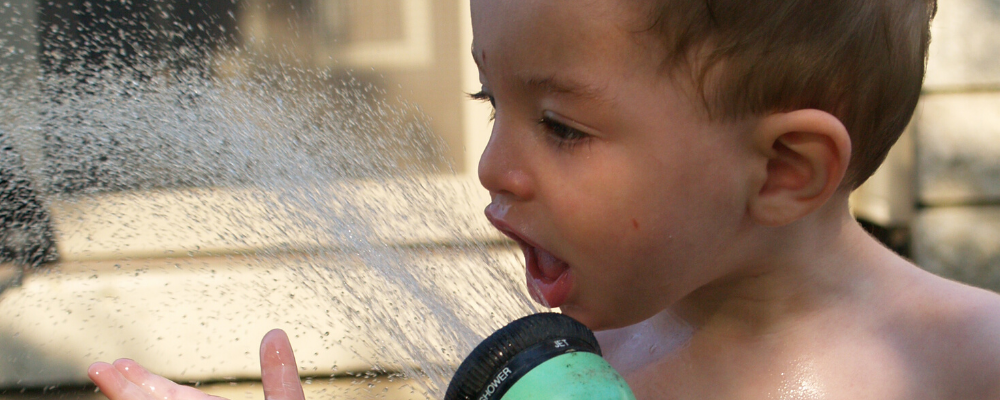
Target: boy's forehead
x=551 y=17
x=546 y=42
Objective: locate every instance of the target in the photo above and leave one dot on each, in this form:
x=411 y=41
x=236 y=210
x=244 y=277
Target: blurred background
x=123 y=135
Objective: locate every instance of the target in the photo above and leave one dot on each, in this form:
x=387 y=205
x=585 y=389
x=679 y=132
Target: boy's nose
x=502 y=169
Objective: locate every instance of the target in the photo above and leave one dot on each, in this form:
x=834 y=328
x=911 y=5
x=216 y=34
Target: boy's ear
x=806 y=154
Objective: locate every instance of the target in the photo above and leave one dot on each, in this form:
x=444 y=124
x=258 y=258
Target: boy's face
x=619 y=191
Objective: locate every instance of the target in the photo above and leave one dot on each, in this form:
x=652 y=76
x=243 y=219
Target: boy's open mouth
x=549 y=278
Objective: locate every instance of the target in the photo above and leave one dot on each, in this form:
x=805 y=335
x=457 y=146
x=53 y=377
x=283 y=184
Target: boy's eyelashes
x=483 y=96
x=564 y=135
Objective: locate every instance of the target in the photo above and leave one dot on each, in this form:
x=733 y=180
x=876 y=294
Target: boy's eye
x=565 y=135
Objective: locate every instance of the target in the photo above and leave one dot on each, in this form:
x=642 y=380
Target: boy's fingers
x=279 y=374
x=155 y=386
x=113 y=384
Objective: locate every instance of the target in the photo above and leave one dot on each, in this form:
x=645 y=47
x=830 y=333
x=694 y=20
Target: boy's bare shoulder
x=949 y=333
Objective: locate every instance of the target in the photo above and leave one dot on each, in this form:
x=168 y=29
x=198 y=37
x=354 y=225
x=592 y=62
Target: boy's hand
x=127 y=380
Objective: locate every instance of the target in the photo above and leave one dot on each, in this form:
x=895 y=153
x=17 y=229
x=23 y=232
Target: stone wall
x=956 y=131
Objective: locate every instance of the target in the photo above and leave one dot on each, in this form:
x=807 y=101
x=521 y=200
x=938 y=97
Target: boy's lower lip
x=549 y=279
x=550 y=291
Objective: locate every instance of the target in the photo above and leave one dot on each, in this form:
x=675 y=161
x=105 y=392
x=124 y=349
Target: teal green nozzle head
x=544 y=356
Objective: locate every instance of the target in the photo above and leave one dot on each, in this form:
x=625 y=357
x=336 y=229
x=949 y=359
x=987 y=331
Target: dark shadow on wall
x=994 y=7
x=23 y=360
x=131 y=98
x=895 y=238
x=26 y=236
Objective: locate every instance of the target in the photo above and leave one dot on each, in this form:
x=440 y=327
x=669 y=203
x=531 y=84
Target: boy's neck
x=804 y=268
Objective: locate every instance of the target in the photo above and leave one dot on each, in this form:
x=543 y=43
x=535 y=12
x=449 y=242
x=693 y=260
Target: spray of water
x=310 y=145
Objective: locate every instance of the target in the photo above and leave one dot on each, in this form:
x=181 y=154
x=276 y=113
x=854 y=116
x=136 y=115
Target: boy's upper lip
x=508 y=230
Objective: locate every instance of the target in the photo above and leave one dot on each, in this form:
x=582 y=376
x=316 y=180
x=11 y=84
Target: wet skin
x=127 y=380
x=719 y=260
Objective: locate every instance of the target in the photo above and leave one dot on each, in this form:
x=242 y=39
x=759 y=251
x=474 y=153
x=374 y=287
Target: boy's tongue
x=549 y=279
x=550 y=266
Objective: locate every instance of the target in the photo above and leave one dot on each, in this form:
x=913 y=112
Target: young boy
x=688 y=163
x=677 y=175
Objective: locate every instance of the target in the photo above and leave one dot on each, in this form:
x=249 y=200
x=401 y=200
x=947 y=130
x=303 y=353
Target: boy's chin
x=595 y=323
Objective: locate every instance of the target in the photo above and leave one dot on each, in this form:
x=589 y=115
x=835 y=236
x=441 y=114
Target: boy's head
x=603 y=166
x=859 y=60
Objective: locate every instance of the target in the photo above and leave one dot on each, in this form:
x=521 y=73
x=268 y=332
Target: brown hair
x=860 y=60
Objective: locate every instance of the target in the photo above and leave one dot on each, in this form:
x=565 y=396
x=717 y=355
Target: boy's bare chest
x=855 y=372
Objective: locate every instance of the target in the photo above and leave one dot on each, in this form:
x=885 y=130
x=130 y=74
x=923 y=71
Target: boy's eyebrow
x=551 y=83
x=561 y=86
